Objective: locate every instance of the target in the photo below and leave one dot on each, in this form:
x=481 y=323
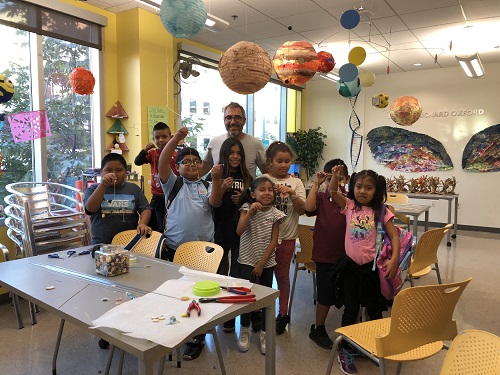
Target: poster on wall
x=482 y=154
x=155 y=115
x=406 y=151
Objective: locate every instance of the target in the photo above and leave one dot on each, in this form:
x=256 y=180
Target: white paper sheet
x=190 y=274
x=133 y=318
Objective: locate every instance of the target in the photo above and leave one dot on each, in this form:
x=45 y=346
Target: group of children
x=256 y=221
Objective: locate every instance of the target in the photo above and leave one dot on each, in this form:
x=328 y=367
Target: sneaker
x=346 y=361
x=256 y=318
x=281 y=322
x=320 y=337
x=103 y=344
x=228 y=326
x=193 y=349
x=262 y=342
x=244 y=339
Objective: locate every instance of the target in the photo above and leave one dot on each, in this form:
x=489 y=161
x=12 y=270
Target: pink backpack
x=391 y=287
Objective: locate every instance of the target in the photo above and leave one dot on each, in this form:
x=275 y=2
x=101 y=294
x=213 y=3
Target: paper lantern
x=405 y=110
x=350 y=19
x=183 y=18
x=82 y=81
x=380 y=100
x=296 y=62
x=349 y=89
x=367 y=78
x=357 y=56
x=245 y=68
x=6 y=89
x=326 y=62
x=348 y=72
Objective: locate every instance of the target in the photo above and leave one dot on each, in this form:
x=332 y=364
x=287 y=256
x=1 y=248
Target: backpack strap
x=177 y=187
x=380 y=234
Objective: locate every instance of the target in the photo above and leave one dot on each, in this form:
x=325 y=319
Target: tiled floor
x=476 y=254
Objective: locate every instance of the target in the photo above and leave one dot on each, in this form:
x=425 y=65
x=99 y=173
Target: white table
x=79 y=300
x=413 y=210
x=450 y=198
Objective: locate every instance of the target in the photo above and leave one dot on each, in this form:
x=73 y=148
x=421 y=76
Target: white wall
x=439 y=90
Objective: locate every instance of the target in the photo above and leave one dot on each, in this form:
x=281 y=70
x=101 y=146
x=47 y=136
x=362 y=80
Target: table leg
x=56 y=349
x=448 y=241
x=426 y=220
x=456 y=219
x=145 y=367
x=415 y=226
x=271 y=339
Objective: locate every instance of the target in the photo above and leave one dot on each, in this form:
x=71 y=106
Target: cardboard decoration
x=326 y=62
x=295 y=63
x=245 y=68
x=405 y=110
x=82 y=81
x=183 y=19
x=117 y=111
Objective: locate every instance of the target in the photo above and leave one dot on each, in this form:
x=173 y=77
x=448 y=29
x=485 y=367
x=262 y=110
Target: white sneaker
x=262 y=342
x=244 y=339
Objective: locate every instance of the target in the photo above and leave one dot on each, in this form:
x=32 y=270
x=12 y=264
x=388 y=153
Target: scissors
x=193 y=305
x=232 y=299
x=70 y=253
x=237 y=290
x=55 y=256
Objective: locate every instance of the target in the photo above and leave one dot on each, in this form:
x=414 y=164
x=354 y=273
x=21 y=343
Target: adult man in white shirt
x=234 y=121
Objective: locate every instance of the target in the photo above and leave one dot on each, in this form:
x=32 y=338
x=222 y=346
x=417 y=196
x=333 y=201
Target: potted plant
x=308 y=145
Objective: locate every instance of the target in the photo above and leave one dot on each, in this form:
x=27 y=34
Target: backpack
x=177 y=187
x=390 y=287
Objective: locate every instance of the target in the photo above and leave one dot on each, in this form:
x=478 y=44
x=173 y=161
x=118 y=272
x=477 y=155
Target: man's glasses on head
x=235 y=118
x=190 y=162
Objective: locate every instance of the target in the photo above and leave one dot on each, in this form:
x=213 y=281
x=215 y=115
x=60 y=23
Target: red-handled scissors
x=231 y=299
x=237 y=289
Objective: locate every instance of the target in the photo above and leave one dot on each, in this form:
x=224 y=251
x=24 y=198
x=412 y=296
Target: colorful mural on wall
x=407 y=151
x=482 y=153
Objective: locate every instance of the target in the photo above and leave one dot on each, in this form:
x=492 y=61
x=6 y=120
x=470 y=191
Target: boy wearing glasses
x=189 y=216
x=234 y=121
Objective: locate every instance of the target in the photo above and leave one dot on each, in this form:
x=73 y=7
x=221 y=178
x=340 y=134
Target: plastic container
x=112 y=260
x=206 y=288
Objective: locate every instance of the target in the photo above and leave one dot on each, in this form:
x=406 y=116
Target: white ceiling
x=397 y=33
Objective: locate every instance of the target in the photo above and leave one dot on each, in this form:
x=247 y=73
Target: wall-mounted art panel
x=406 y=151
x=482 y=153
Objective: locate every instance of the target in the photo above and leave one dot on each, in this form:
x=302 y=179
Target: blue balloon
x=350 y=19
x=348 y=72
x=183 y=18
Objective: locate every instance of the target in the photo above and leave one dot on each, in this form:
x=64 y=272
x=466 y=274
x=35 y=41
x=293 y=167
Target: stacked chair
x=44 y=217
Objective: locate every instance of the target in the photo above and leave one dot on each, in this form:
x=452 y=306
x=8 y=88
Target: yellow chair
x=421 y=319
x=425 y=254
x=303 y=260
x=146 y=246
x=403 y=221
x=473 y=352
x=205 y=256
x=397 y=198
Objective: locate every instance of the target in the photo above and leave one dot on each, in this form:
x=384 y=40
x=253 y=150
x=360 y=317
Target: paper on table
x=195 y=275
x=133 y=318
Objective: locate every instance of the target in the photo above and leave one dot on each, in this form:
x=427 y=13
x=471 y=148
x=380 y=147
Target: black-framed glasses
x=237 y=118
x=190 y=162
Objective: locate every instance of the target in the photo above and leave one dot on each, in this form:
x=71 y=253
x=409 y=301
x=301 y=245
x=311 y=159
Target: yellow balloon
x=357 y=55
x=367 y=78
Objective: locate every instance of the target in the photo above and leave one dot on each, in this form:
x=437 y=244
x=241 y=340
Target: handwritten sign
x=155 y=115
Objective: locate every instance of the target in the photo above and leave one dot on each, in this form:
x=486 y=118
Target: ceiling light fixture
x=329 y=76
x=471 y=65
x=417 y=64
x=215 y=24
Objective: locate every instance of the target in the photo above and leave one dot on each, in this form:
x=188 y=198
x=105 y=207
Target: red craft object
x=326 y=62
x=82 y=81
x=295 y=63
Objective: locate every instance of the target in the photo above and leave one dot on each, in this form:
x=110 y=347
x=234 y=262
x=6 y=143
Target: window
x=192 y=106
x=206 y=108
x=64 y=42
